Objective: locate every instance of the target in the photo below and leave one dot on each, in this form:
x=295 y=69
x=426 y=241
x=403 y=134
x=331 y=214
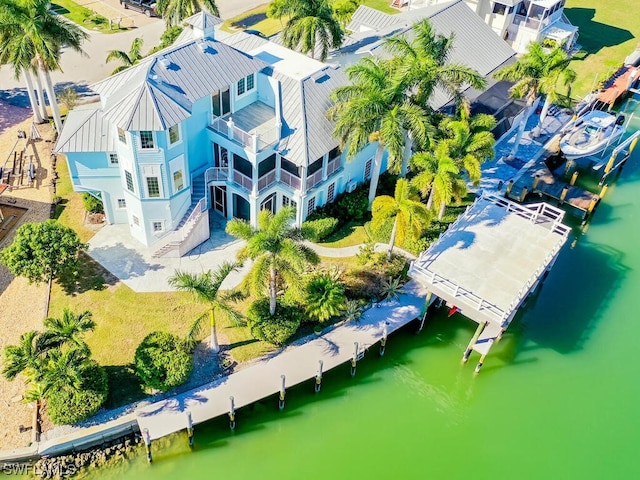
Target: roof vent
x=165 y=62
x=155 y=77
x=202 y=45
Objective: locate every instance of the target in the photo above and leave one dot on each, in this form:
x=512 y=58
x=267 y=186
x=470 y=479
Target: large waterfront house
x=231 y=125
x=519 y=22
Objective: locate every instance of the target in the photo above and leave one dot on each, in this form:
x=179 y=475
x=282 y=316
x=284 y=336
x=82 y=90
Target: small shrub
x=363 y=283
x=162 y=361
x=67 y=406
x=366 y=252
x=325 y=297
x=318 y=230
x=354 y=205
x=276 y=329
x=92 y=204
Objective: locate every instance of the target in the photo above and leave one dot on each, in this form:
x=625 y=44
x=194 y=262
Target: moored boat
x=591 y=134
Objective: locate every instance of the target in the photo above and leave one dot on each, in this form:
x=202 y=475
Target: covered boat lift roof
x=490 y=259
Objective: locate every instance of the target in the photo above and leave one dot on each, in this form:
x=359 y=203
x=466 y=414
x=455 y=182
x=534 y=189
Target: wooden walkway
x=298 y=364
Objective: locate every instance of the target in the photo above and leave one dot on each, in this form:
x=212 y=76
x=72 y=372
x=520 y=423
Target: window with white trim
x=157 y=226
x=311 y=205
x=286 y=202
x=122 y=203
x=113 y=159
x=176 y=169
x=136 y=220
x=246 y=84
x=153 y=187
x=129 y=179
x=146 y=139
x=367 y=169
x=174 y=134
x=152 y=182
x=331 y=192
x=178 y=181
x=122 y=136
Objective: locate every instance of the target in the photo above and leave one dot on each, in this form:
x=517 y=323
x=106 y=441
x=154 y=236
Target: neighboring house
x=475 y=44
x=205 y=125
x=521 y=22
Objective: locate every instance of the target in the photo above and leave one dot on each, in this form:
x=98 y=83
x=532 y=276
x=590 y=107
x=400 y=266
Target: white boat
x=591 y=134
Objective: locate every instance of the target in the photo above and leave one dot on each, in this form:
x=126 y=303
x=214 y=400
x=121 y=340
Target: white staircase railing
x=177 y=238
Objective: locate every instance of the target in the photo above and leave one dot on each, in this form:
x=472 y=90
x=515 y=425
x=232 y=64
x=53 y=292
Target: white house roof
x=476 y=44
x=202 y=20
x=85 y=130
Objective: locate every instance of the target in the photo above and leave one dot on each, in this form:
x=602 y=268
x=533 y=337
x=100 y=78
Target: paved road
x=81 y=71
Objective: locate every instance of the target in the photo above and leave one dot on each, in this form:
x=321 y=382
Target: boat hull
x=572 y=152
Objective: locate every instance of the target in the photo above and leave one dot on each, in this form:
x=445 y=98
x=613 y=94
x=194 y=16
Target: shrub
x=67 y=406
x=276 y=329
x=318 y=230
x=92 y=204
x=354 y=205
x=162 y=361
x=324 y=297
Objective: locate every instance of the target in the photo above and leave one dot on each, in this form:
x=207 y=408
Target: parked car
x=148 y=7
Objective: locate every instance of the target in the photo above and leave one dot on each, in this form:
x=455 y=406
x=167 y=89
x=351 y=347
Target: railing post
x=230 y=126
x=254 y=142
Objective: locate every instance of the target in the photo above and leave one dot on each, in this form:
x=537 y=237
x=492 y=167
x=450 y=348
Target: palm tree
x=409 y=214
x=174 y=11
x=205 y=288
x=344 y=10
x=31 y=37
x=63 y=369
x=373 y=109
x=69 y=329
x=469 y=141
x=27 y=357
x=277 y=250
x=127 y=59
x=438 y=176
x=392 y=289
x=311 y=24
x=325 y=297
x=278 y=9
x=534 y=72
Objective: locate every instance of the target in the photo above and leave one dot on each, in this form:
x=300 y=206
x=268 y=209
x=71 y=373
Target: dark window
x=331 y=192
x=242 y=165
x=250 y=82
x=267 y=165
x=221 y=102
x=146 y=139
x=290 y=167
x=113 y=158
x=241 y=87
x=122 y=203
x=334 y=153
x=152 y=187
x=314 y=167
x=129 y=179
x=499 y=9
x=122 y=136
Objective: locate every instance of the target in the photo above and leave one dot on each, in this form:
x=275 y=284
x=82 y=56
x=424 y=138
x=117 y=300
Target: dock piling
x=232 y=415
x=474 y=339
x=147 y=443
x=189 y=428
x=574 y=177
x=523 y=194
x=509 y=187
x=425 y=310
x=603 y=192
x=479 y=366
x=318 y=384
x=563 y=194
x=536 y=180
x=383 y=341
x=283 y=392
x=354 y=359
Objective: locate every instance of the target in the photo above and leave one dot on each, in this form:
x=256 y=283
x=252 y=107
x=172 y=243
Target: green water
x=557 y=398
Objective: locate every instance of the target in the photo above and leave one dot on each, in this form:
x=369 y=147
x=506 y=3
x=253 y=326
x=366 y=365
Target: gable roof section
x=85 y=131
x=202 y=20
x=367 y=18
x=159 y=92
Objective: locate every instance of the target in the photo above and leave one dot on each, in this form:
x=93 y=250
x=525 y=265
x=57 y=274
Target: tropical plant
x=168 y=37
x=278 y=9
x=352 y=311
x=43 y=251
x=410 y=216
x=69 y=329
x=469 y=141
x=277 y=251
x=344 y=10
x=205 y=288
x=31 y=37
x=311 y=26
x=26 y=357
x=162 y=361
x=535 y=72
x=174 y=11
x=318 y=229
x=91 y=203
x=276 y=328
x=62 y=369
x=324 y=297
x=438 y=177
x=392 y=289
x=373 y=109
x=128 y=59
x=69 y=98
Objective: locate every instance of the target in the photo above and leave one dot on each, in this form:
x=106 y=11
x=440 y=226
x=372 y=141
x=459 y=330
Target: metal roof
x=85 y=131
x=202 y=20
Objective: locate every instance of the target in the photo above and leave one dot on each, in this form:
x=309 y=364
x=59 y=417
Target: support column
x=189 y=428
x=474 y=339
x=425 y=309
x=253 y=209
x=37 y=117
x=232 y=415
x=325 y=161
x=383 y=341
x=318 y=384
x=354 y=359
x=283 y=393
x=147 y=442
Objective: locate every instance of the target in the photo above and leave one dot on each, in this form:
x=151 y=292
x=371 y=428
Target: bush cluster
x=92 y=204
x=162 y=361
x=319 y=229
x=276 y=329
x=67 y=406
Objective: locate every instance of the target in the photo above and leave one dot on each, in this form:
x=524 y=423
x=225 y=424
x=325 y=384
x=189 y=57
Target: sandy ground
x=21 y=305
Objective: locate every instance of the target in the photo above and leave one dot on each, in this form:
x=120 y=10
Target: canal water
x=557 y=398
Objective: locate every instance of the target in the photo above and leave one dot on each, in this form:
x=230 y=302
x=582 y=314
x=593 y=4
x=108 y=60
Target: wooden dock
x=344 y=344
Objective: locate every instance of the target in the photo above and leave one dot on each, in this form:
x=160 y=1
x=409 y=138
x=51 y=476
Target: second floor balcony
x=255 y=126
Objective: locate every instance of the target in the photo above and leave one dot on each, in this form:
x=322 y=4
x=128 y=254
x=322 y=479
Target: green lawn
x=82 y=16
x=609 y=31
x=353 y=233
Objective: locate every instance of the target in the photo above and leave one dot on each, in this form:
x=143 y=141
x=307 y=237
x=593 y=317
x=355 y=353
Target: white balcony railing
x=242 y=180
x=290 y=179
x=216 y=174
x=266 y=180
x=253 y=141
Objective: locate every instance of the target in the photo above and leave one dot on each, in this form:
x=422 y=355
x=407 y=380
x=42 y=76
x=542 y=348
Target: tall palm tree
x=409 y=214
x=127 y=59
x=69 y=329
x=279 y=255
x=373 y=109
x=31 y=36
x=205 y=288
x=63 y=369
x=537 y=72
x=324 y=297
x=343 y=10
x=311 y=25
x=469 y=141
x=438 y=177
x=174 y=11
x=26 y=357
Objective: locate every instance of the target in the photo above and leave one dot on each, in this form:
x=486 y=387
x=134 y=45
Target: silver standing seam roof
x=85 y=130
